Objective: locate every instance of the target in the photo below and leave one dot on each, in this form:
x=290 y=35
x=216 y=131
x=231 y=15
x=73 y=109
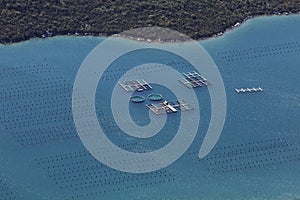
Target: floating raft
x=135 y=85
x=249 y=90
x=169 y=107
x=194 y=80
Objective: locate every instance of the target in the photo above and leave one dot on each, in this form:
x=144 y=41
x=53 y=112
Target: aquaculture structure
x=249 y=90
x=169 y=107
x=194 y=80
x=135 y=85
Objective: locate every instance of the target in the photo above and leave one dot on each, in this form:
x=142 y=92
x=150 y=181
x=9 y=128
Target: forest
x=21 y=20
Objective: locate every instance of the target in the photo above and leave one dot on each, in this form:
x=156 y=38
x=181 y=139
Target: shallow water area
x=257 y=156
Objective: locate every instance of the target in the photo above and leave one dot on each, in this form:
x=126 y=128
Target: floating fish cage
x=135 y=85
x=155 y=97
x=169 y=107
x=194 y=80
x=137 y=99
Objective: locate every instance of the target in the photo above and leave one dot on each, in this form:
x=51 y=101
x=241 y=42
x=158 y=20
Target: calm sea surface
x=257 y=156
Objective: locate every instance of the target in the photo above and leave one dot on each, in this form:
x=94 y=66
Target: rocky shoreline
x=159 y=40
x=142 y=38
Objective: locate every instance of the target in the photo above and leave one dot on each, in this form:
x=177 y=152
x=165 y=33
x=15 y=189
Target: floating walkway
x=135 y=85
x=249 y=90
x=194 y=80
x=169 y=107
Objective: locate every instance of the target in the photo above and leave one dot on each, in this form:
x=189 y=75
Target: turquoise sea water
x=257 y=156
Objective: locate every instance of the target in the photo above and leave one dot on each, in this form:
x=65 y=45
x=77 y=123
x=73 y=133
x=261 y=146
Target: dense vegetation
x=21 y=20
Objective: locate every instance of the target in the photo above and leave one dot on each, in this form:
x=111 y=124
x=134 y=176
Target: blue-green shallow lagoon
x=257 y=156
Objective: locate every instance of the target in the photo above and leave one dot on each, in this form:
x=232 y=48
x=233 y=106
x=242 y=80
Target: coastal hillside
x=21 y=20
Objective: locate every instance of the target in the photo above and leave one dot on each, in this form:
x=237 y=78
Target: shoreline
x=141 y=39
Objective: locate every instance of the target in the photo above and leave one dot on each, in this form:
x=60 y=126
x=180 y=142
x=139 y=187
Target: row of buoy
x=259 y=48
x=21 y=73
x=38 y=131
x=25 y=104
x=67 y=173
x=75 y=154
x=92 y=162
x=97 y=171
x=53 y=137
x=177 y=65
x=39 y=94
x=35 y=82
x=87 y=183
x=262 y=54
x=252 y=154
x=11 y=124
x=29 y=139
x=71 y=163
x=230 y=159
x=27 y=136
x=118 y=185
x=6 y=190
x=235 y=159
x=34 y=114
x=118 y=189
x=35 y=87
x=104 y=179
x=259 y=148
x=41 y=119
x=139 y=70
x=118 y=76
x=251 y=148
x=253 y=53
x=275 y=53
x=255 y=164
x=35 y=67
x=158 y=68
x=221 y=148
x=28 y=124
